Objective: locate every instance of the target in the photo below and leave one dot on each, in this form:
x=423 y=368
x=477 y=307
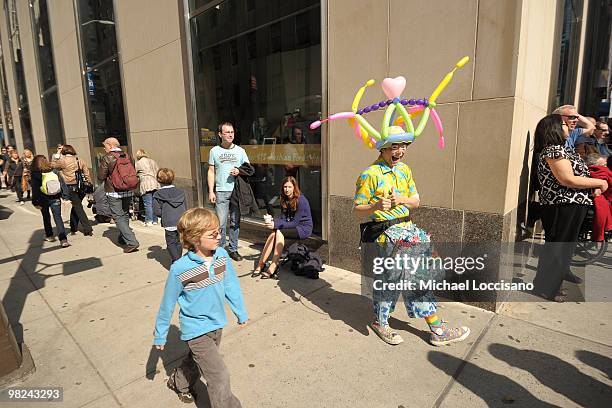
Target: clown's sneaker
x=442 y=335
x=386 y=334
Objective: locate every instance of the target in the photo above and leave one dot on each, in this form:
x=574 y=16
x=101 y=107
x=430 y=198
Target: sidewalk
x=87 y=314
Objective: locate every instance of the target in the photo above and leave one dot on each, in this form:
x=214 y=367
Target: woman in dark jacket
x=294 y=223
x=15 y=174
x=45 y=202
x=565 y=196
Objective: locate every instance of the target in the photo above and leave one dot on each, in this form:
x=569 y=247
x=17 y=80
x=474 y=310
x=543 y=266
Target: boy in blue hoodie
x=201 y=281
x=169 y=205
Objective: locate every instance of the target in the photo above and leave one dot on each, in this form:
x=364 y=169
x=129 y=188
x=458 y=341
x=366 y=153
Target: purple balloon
x=388 y=102
x=412 y=102
x=404 y=101
x=366 y=109
x=381 y=104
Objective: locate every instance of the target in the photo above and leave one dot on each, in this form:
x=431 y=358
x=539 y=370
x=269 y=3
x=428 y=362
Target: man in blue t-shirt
x=571 y=117
x=223 y=164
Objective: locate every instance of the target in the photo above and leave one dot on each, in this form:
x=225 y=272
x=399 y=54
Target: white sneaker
x=154 y=222
x=148 y=224
x=21 y=203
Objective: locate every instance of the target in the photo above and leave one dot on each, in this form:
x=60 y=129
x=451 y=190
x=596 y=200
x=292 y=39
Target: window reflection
x=569 y=50
x=259 y=66
x=7 y=125
x=101 y=65
x=20 y=86
x=46 y=73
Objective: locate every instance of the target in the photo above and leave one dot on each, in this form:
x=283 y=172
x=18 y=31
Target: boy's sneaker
x=50 y=239
x=386 y=334
x=148 y=223
x=185 y=397
x=65 y=244
x=22 y=203
x=442 y=335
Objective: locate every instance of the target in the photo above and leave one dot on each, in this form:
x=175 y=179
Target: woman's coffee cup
x=267 y=218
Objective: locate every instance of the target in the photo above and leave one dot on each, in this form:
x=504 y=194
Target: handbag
x=82 y=185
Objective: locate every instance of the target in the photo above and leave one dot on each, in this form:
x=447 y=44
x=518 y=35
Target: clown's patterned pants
x=418 y=304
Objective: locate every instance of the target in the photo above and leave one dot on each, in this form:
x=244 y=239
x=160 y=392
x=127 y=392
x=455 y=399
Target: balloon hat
x=391 y=130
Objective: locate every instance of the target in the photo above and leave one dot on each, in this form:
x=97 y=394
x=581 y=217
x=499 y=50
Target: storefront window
x=16 y=57
x=101 y=65
x=46 y=73
x=258 y=65
x=7 y=125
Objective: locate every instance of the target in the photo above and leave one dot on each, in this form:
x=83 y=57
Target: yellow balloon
x=441 y=87
x=359 y=94
x=462 y=62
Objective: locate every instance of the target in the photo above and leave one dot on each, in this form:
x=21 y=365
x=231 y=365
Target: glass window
x=7 y=126
x=46 y=73
x=101 y=64
x=259 y=67
x=569 y=51
x=22 y=96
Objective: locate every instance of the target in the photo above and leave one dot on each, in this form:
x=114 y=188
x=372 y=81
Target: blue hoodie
x=201 y=292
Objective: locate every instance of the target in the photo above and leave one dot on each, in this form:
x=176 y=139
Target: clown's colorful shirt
x=378 y=181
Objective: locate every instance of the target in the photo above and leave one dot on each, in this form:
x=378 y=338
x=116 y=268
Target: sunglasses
x=571 y=117
x=213 y=235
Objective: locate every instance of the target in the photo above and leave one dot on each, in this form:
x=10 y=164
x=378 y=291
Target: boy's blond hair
x=165 y=176
x=193 y=223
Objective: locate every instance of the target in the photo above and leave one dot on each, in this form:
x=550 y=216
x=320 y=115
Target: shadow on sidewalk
x=597 y=361
x=17 y=292
x=5 y=212
x=496 y=390
x=160 y=255
x=353 y=309
x=558 y=375
x=172 y=356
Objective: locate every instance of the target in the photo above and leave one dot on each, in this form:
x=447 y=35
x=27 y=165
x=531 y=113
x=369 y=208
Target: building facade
x=160 y=75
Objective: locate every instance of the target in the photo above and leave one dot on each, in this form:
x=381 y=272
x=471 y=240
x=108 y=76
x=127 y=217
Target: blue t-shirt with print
x=573 y=137
x=224 y=160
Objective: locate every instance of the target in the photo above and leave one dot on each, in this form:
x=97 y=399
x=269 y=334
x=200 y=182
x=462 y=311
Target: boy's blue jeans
x=224 y=208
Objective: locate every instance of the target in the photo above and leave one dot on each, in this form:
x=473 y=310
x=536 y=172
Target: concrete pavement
x=87 y=314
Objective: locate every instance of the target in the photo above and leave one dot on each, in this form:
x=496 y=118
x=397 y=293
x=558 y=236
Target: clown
x=385 y=194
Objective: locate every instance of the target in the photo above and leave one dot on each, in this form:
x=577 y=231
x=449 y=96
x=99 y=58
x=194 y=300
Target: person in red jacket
x=602 y=221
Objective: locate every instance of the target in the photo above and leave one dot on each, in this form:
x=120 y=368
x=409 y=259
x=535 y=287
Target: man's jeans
x=147 y=199
x=120 y=208
x=56 y=209
x=224 y=208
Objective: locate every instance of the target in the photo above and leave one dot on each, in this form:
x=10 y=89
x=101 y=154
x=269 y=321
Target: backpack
x=304 y=262
x=123 y=176
x=50 y=184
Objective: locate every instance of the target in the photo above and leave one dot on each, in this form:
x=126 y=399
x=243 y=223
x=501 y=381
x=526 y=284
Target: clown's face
x=393 y=155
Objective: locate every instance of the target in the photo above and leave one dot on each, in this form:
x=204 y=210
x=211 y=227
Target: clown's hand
x=397 y=199
x=411 y=202
x=384 y=204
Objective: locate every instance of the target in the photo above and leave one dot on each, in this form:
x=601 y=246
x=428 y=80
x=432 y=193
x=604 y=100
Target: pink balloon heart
x=393 y=87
